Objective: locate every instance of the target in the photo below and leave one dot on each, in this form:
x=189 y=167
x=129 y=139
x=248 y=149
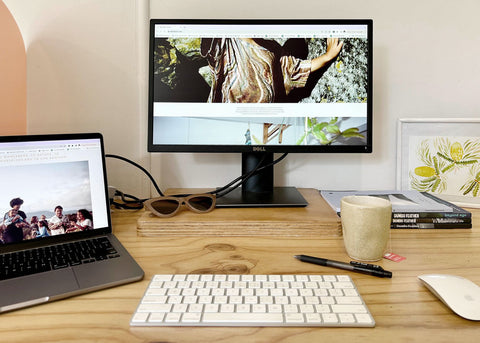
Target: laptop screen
x=51 y=186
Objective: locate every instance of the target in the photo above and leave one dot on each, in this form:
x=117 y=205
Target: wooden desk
x=404 y=310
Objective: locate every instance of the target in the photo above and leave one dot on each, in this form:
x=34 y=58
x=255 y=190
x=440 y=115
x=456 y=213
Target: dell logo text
x=259 y=148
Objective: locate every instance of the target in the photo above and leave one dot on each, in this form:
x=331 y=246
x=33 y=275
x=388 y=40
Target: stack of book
x=412 y=209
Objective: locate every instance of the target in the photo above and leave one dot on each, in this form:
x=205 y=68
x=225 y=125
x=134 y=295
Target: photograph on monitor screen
x=273 y=83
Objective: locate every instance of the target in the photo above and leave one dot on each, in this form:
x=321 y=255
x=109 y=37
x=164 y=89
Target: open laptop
x=54 y=201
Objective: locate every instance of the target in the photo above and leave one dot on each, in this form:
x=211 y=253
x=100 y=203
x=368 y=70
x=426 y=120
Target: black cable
x=243 y=178
x=128 y=204
x=135 y=204
x=141 y=168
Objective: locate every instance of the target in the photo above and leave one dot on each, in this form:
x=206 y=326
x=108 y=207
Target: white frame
x=435 y=127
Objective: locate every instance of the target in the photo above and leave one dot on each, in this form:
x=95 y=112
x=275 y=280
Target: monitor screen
x=275 y=86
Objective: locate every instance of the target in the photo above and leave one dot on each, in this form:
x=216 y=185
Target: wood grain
x=318 y=219
x=404 y=310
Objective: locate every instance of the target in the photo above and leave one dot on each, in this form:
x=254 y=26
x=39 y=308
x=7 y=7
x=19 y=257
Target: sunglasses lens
x=201 y=203
x=165 y=206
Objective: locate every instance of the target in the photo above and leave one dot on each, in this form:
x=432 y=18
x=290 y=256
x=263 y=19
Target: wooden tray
x=318 y=219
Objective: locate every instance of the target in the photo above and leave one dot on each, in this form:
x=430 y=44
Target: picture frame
x=440 y=156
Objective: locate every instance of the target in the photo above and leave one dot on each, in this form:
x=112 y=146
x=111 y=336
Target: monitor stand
x=258 y=190
x=279 y=197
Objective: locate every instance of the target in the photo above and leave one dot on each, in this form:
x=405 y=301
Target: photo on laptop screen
x=50 y=188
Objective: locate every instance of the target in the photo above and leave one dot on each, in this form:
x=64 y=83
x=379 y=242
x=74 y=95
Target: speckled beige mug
x=366 y=224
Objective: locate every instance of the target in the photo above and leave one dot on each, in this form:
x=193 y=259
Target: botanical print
x=449 y=165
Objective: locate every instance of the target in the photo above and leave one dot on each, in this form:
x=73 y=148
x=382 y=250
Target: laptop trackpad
x=55 y=284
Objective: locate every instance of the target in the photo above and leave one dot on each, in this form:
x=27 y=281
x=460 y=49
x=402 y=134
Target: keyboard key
x=229 y=318
x=346 y=318
x=160 y=299
x=154 y=307
x=140 y=317
x=330 y=318
x=349 y=300
x=191 y=317
x=156 y=317
x=173 y=317
x=349 y=309
x=363 y=318
x=313 y=318
x=294 y=318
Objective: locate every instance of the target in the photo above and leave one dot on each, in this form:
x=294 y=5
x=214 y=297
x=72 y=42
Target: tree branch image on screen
x=260 y=87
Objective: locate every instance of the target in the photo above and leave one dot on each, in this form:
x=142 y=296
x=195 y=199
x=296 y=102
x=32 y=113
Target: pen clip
x=366 y=265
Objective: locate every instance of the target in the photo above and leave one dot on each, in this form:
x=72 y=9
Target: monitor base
x=279 y=197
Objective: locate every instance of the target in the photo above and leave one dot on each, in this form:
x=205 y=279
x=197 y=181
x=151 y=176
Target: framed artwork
x=440 y=156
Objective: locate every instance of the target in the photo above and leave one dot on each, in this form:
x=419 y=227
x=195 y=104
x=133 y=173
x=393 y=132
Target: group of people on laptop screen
x=15 y=226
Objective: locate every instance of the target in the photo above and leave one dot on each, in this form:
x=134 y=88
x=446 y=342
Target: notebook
x=56 y=237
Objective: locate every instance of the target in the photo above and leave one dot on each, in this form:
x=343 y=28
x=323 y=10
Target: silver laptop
x=56 y=236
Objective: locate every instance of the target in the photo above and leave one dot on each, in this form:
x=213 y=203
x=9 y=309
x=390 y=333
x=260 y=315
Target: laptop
x=56 y=237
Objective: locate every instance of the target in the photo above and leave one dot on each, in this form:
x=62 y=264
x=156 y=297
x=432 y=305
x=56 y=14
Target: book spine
x=432 y=226
x=432 y=220
x=416 y=215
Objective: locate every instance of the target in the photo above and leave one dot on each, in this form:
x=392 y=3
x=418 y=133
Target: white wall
x=86 y=72
x=86 y=63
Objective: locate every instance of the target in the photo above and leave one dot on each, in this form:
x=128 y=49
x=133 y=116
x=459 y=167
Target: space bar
x=242 y=317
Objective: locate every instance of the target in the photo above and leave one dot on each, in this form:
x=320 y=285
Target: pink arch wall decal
x=13 y=76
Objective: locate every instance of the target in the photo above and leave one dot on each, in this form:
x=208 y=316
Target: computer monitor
x=260 y=87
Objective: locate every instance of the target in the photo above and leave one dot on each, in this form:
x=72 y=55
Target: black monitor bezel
x=366 y=148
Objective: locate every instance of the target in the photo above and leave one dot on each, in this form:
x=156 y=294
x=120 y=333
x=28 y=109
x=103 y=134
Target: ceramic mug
x=366 y=224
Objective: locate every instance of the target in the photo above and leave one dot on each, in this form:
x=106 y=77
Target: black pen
x=370 y=269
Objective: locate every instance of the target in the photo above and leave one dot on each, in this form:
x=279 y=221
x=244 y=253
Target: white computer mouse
x=458 y=293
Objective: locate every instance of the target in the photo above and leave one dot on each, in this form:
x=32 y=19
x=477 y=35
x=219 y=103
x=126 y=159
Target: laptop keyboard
x=53 y=257
x=252 y=300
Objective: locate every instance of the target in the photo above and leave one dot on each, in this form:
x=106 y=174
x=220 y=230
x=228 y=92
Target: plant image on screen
x=327 y=132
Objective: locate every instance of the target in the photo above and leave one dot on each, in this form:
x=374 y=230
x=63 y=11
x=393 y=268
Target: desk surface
x=404 y=310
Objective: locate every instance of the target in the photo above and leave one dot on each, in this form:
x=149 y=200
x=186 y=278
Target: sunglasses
x=168 y=206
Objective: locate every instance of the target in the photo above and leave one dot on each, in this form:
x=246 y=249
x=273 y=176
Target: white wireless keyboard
x=252 y=300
